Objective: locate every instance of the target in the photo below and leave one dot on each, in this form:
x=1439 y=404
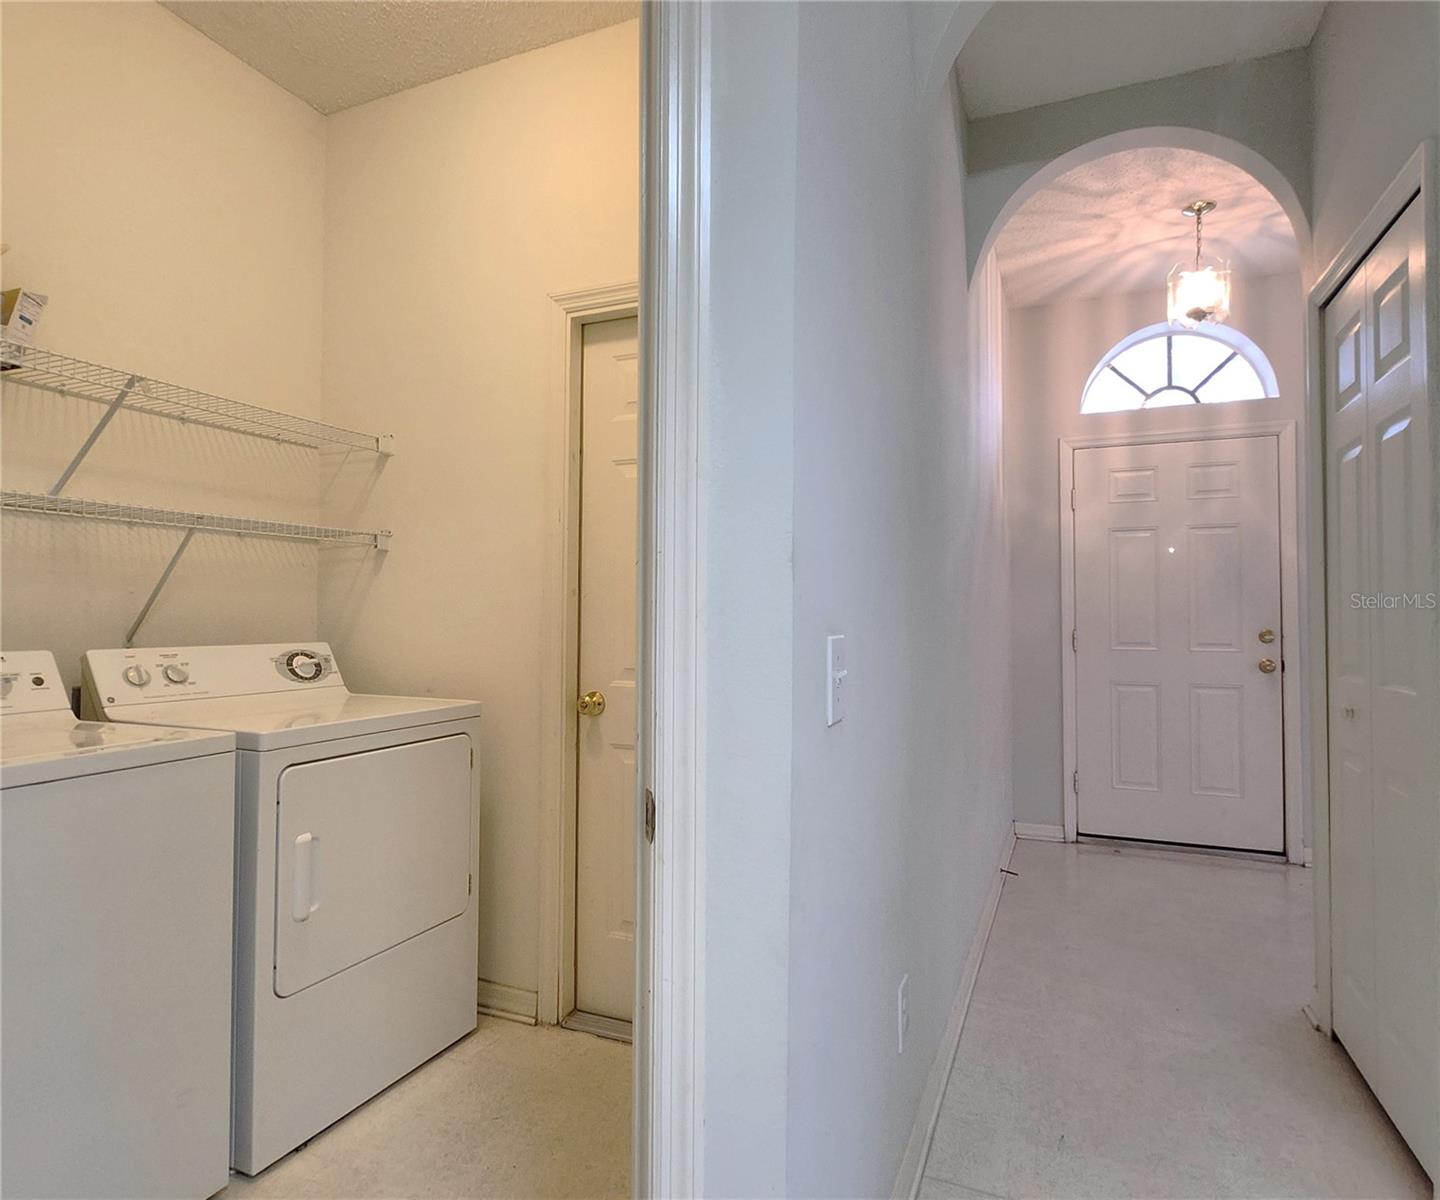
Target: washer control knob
x=175 y=673
x=136 y=675
x=304 y=666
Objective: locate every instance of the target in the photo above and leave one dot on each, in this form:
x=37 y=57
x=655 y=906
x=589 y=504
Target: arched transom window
x=1161 y=366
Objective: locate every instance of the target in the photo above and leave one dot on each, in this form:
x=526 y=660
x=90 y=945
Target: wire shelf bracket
x=50 y=504
x=158 y=588
x=85 y=447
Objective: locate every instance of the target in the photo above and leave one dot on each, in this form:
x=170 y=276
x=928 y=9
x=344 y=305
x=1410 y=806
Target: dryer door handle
x=304 y=877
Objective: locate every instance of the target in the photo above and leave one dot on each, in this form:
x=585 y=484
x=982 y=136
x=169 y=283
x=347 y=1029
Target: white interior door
x=1177 y=589
x=605 y=775
x=1384 y=665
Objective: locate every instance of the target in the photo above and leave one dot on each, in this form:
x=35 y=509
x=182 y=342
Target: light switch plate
x=835 y=675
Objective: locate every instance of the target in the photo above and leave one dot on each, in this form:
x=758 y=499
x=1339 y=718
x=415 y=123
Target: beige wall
x=192 y=221
x=1050 y=351
x=169 y=200
x=452 y=211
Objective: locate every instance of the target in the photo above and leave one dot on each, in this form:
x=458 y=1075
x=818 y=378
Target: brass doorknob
x=592 y=704
x=1267 y=636
x=1267 y=665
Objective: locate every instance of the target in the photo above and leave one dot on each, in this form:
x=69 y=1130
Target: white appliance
x=116 y=924
x=356 y=854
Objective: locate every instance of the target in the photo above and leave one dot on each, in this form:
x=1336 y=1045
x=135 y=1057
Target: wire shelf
x=36 y=367
x=138 y=514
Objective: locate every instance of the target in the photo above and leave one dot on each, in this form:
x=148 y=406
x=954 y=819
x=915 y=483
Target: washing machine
x=116 y=912
x=356 y=854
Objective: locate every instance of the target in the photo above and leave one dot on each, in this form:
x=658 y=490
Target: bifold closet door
x=1384 y=673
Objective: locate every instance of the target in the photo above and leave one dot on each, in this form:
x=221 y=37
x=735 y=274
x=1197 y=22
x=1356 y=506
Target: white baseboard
x=917 y=1149
x=1039 y=833
x=502 y=1000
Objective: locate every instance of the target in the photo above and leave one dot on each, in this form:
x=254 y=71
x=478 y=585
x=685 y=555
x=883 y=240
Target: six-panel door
x=1177 y=589
x=605 y=801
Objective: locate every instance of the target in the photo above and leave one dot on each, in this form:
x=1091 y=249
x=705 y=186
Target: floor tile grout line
x=964 y=1187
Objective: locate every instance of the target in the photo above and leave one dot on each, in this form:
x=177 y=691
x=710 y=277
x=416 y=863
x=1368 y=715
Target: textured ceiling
x=1024 y=54
x=1114 y=226
x=334 y=54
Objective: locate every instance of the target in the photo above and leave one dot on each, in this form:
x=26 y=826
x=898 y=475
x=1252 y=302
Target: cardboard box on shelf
x=20 y=313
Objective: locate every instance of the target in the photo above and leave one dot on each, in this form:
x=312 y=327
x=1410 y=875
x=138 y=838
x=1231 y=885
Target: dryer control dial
x=136 y=675
x=175 y=673
x=304 y=666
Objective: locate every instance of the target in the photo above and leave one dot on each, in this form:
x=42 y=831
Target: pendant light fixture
x=1200 y=293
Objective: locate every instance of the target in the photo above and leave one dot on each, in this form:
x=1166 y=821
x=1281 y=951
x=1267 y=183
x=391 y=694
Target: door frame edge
x=1420 y=176
x=570 y=312
x=1294 y=578
x=669 y=1054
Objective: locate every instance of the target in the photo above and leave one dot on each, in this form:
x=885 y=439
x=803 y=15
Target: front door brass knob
x=592 y=704
x=1267 y=665
x=1267 y=636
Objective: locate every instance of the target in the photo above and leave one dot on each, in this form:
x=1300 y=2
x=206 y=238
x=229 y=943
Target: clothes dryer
x=356 y=855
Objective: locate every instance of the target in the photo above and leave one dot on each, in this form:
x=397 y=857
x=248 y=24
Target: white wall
x=169 y=200
x=452 y=211
x=851 y=485
x=1376 y=96
x=899 y=812
x=747 y=390
x=1050 y=352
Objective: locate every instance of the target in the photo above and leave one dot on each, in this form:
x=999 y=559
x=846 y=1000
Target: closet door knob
x=1267 y=665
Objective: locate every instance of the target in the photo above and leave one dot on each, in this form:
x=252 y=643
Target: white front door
x=605 y=825
x=1384 y=670
x=1177 y=604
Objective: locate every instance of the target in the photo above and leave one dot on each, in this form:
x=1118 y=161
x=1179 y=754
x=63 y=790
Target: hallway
x=1136 y=1030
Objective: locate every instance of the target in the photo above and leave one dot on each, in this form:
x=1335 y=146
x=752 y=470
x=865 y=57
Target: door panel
x=1177 y=569
x=1135 y=723
x=1384 y=670
x=605 y=827
x=1134 y=619
x=1217 y=722
x=372 y=849
x=1215 y=587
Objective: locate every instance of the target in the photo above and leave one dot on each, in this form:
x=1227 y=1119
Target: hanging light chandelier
x=1200 y=293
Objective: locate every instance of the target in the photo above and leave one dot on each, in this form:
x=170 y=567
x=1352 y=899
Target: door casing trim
x=669 y=1055
x=1419 y=176
x=569 y=313
x=1292 y=574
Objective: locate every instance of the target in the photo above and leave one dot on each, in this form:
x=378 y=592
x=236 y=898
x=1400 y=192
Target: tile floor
x=511 y=1111
x=1136 y=1032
